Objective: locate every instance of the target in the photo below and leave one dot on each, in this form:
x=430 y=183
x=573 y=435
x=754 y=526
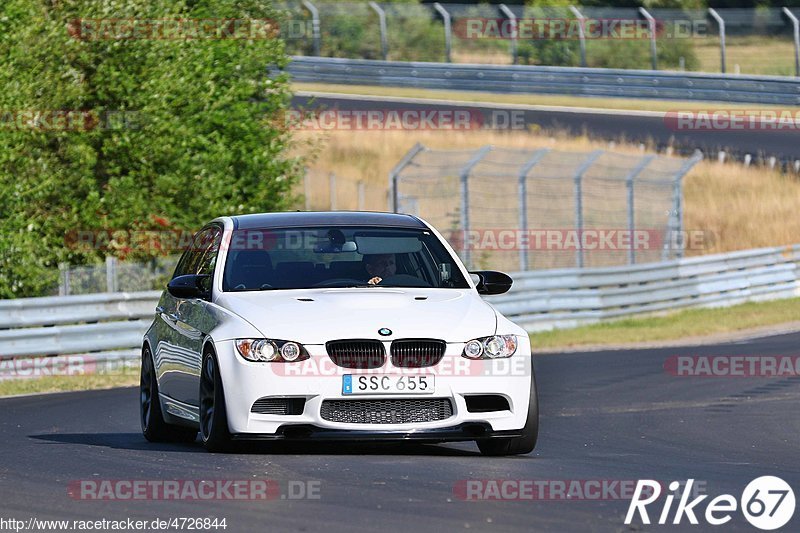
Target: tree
x=162 y=129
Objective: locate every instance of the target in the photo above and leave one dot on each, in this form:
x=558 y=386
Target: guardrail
x=547 y=299
x=74 y=324
x=111 y=325
x=776 y=90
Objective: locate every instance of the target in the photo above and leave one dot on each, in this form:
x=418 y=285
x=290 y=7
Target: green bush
x=607 y=53
x=352 y=30
x=207 y=135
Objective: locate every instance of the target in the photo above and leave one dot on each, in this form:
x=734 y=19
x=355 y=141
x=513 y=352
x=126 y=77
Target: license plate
x=387 y=384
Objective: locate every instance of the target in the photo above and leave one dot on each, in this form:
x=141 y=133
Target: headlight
x=270 y=350
x=290 y=351
x=473 y=349
x=494 y=347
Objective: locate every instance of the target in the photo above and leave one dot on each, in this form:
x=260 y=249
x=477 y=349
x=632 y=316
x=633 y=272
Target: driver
x=380 y=266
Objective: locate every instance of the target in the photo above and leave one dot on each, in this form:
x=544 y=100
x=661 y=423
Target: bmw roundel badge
x=385 y=332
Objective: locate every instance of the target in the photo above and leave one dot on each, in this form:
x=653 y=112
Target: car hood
x=315 y=316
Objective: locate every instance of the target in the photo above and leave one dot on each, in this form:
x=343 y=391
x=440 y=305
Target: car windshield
x=340 y=256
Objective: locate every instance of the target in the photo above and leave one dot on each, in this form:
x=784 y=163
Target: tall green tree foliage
x=189 y=128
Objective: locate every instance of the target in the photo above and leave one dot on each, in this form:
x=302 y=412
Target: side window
x=192 y=258
x=189 y=257
x=180 y=269
x=208 y=260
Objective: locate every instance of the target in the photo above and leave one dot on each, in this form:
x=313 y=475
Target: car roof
x=325 y=218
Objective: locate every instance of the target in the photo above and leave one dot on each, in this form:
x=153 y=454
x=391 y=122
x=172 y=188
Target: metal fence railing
x=749 y=41
x=108 y=327
x=572 y=297
x=522 y=79
x=517 y=210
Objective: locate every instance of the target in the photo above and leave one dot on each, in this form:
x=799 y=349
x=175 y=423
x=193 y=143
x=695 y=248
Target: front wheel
x=154 y=428
x=213 y=416
x=517 y=445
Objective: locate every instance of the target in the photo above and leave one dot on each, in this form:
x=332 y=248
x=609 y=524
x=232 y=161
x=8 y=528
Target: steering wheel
x=243 y=287
x=338 y=281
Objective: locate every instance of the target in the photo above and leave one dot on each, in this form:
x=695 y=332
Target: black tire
x=154 y=428
x=213 y=416
x=517 y=445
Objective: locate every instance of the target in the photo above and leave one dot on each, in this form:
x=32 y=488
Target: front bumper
x=305 y=432
x=318 y=379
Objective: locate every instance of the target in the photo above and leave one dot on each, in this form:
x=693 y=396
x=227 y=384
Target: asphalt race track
x=615 y=415
x=782 y=144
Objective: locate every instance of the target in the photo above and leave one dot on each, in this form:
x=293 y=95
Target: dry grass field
x=739 y=207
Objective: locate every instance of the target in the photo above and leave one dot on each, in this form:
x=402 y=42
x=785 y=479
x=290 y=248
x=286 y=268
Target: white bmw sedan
x=334 y=326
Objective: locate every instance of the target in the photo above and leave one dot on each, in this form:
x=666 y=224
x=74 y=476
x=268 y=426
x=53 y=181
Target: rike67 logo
x=767 y=503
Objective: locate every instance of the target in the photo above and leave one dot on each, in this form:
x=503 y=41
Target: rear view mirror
x=492 y=282
x=371 y=245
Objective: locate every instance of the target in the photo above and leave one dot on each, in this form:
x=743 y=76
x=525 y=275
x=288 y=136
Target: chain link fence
x=116 y=276
x=509 y=209
x=735 y=40
x=516 y=210
x=329 y=191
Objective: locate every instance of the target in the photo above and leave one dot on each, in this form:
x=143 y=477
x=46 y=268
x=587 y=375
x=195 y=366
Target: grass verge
x=594 y=102
x=675 y=326
x=68 y=383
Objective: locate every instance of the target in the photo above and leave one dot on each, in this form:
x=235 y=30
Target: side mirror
x=189 y=286
x=492 y=282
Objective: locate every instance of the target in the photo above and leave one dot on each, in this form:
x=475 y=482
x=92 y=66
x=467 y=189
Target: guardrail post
x=578 y=180
x=395 y=174
x=523 y=200
x=796 y=26
x=315 y=26
x=111 y=274
x=513 y=19
x=464 y=178
x=63 y=282
x=629 y=184
x=360 y=188
x=581 y=32
x=651 y=23
x=721 y=24
x=448 y=30
x=382 y=22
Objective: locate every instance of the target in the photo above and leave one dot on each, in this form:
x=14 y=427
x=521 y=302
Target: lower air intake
x=386 y=411
x=279 y=406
